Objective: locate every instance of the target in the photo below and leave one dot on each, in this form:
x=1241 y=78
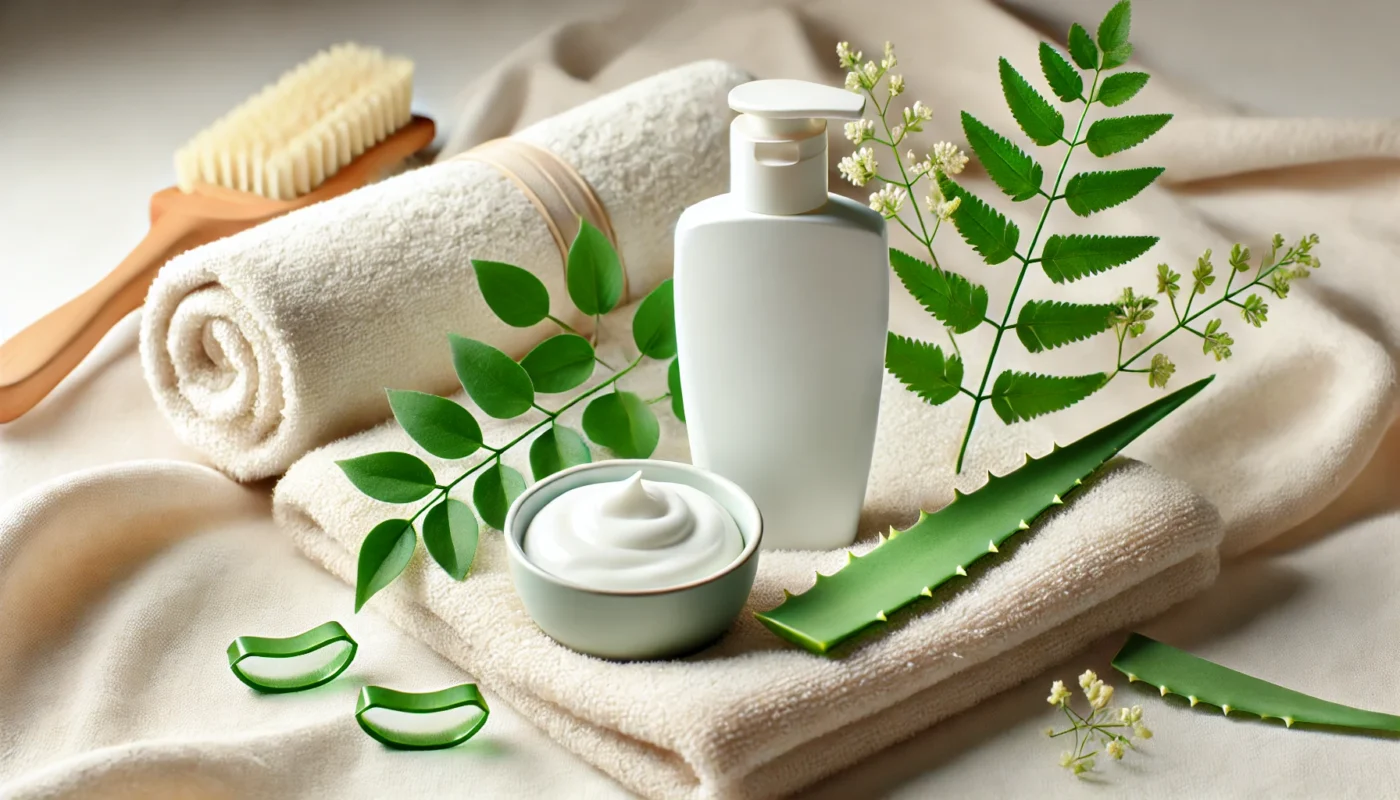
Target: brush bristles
x=289 y=138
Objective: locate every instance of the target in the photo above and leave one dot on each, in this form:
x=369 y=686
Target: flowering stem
x=1026 y=261
x=1184 y=321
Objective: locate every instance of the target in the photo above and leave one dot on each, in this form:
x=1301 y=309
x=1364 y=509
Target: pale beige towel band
x=555 y=188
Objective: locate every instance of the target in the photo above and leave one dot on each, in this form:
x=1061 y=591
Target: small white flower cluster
x=860 y=130
x=948 y=158
x=860 y=167
x=888 y=200
x=1100 y=725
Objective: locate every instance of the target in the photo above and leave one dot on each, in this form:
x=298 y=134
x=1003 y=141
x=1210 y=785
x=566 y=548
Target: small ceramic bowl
x=634 y=624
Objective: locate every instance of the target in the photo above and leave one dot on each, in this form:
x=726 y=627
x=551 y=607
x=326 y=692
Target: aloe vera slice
x=422 y=721
x=940 y=546
x=294 y=663
x=1200 y=681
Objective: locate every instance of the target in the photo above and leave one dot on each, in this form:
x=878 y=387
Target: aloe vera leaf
x=939 y=547
x=1200 y=681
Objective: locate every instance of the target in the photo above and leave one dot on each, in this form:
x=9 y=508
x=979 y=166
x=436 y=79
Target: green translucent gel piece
x=426 y=721
x=294 y=663
x=1200 y=681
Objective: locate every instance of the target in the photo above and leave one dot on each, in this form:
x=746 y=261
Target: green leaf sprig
x=1085 y=79
x=504 y=388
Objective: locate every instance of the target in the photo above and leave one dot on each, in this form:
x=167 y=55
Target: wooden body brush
x=332 y=124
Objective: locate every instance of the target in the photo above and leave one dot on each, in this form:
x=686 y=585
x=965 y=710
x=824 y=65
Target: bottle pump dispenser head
x=777 y=144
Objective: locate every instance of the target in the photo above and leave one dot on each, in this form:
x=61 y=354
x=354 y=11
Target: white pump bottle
x=782 y=306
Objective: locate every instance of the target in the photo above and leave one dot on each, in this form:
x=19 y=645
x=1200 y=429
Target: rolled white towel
x=267 y=344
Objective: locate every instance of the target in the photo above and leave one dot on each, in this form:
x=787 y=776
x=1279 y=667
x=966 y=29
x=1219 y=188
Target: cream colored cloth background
x=125 y=606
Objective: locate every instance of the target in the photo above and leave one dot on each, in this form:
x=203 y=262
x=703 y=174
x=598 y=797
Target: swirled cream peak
x=633 y=534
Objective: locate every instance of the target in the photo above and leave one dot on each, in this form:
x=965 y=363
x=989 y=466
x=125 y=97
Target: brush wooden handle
x=37 y=358
x=34 y=360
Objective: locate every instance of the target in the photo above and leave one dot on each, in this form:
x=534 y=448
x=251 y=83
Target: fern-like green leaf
x=923 y=369
x=949 y=297
x=1119 y=89
x=1113 y=35
x=1047 y=324
x=1041 y=122
x=992 y=235
x=1081 y=48
x=1200 y=681
x=1008 y=165
x=1069 y=258
x=942 y=546
x=1064 y=79
x=1088 y=192
x=1116 y=134
x=1019 y=396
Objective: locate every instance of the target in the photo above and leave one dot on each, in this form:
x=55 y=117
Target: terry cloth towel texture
x=264 y=345
x=752 y=716
x=126 y=567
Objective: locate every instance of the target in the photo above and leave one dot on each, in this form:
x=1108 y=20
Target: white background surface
x=96 y=96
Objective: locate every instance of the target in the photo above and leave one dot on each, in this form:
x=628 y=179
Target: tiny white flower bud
x=1087 y=679
x=896 y=85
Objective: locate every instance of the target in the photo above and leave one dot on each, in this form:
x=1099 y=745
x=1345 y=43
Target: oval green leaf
x=555 y=449
x=992 y=235
x=514 y=294
x=1082 y=48
x=952 y=299
x=499 y=386
x=1047 y=324
x=673 y=385
x=494 y=491
x=437 y=424
x=559 y=363
x=384 y=554
x=1069 y=258
x=380 y=710
x=258 y=661
x=1113 y=35
x=654 y=326
x=593 y=273
x=390 y=477
x=1119 y=89
x=1089 y=192
x=450 y=534
x=623 y=423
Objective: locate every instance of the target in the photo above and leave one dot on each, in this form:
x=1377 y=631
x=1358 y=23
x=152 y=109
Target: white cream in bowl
x=633 y=534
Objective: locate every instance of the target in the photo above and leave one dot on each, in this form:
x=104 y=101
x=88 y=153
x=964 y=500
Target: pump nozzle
x=777 y=144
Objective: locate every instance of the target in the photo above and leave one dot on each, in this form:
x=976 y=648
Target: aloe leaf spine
x=1174 y=671
x=941 y=546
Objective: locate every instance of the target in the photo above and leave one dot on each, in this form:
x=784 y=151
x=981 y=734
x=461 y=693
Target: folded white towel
x=752 y=716
x=264 y=345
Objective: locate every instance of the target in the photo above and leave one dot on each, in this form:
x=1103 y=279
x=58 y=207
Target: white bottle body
x=781 y=324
